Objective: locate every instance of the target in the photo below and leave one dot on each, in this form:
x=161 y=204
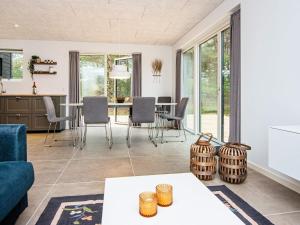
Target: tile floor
x=64 y=170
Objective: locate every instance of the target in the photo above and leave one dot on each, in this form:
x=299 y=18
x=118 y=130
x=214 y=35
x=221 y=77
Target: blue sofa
x=16 y=174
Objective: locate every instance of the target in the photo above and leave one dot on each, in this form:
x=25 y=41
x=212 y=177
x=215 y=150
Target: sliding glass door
x=209 y=86
x=188 y=87
x=206 y=81
x=225 y=38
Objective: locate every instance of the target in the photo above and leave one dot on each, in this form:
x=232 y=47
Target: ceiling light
x=16 y=25
x=119 y=72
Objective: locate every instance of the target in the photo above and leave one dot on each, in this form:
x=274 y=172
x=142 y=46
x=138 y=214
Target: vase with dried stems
x=156 y=68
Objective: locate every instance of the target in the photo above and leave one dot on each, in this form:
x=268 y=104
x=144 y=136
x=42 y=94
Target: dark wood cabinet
x=38 y=105
x=39 y=122
x=29 y=110
x=16 y=118
x=17 y=104
x=1 y=106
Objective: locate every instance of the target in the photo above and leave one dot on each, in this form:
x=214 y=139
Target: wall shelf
x=44 y=72
x=45 y=63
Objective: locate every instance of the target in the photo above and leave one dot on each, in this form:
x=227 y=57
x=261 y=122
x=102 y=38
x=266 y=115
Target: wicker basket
x=233 y=162
x=203 y=161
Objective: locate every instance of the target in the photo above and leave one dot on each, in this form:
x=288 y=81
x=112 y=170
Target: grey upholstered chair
x=95 y=111
x=143 y=111
x=53 y=119
x=178 y=117
x=164 y=109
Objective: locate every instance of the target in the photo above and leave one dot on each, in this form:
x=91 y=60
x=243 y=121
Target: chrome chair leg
x=84 y=135
x=178 y=128
x=106 y=132
x=72 y=133
x=152 y=138
x=53 y=136
x=129 y=134
x=110 y=140
x=178 y=122
x=83 y=140
x=183 y=128
x=47 y=133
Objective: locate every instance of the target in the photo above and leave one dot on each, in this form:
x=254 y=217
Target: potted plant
x=31 y=66
x=36 y=58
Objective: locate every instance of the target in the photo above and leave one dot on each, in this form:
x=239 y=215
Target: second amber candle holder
x=164 y=193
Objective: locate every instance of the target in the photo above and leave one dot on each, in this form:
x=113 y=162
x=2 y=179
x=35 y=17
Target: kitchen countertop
x=31 y=95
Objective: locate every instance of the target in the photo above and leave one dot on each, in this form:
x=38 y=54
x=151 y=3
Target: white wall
x=270 y=70
x=59 y=51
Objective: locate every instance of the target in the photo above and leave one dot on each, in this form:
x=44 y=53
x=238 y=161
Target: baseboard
x=280 y=178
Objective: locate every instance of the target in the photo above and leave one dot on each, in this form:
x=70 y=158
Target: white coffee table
x=193 y=203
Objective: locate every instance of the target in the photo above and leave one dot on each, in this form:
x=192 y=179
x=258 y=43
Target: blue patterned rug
x=87 y=209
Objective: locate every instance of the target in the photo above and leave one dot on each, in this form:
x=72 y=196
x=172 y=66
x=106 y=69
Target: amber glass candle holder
x=148 y=204
x=164 y=194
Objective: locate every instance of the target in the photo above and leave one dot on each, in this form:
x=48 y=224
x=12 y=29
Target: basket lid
x=237 y=145
x=204 y=142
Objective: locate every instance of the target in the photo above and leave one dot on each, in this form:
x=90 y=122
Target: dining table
x=79 y=122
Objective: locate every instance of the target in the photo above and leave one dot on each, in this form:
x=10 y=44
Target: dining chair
x=177 y=118
x=95 y=111
x=143 y=111
x=53 y=119
x=163 y=109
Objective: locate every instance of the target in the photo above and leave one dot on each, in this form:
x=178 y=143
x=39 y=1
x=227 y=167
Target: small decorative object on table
x=164 y=194
x=120 y=99
x=202 y=159
x=233 y=162
x=148 y=204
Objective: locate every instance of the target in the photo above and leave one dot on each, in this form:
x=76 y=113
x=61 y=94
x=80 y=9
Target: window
x=117 y=88
x=225 y=84
x=95 y=80
x=209 y=90
x=11 y=64
x=188 y=87
x=92 y=79
x=209 y=86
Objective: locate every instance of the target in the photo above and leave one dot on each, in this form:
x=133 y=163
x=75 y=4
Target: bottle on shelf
x=34 y=89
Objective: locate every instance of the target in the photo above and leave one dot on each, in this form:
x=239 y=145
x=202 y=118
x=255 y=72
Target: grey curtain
x=136 y=78
x=178 y=76
x=235 y=82
x=73 y=80
x=137 y=74
x=178 y=79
